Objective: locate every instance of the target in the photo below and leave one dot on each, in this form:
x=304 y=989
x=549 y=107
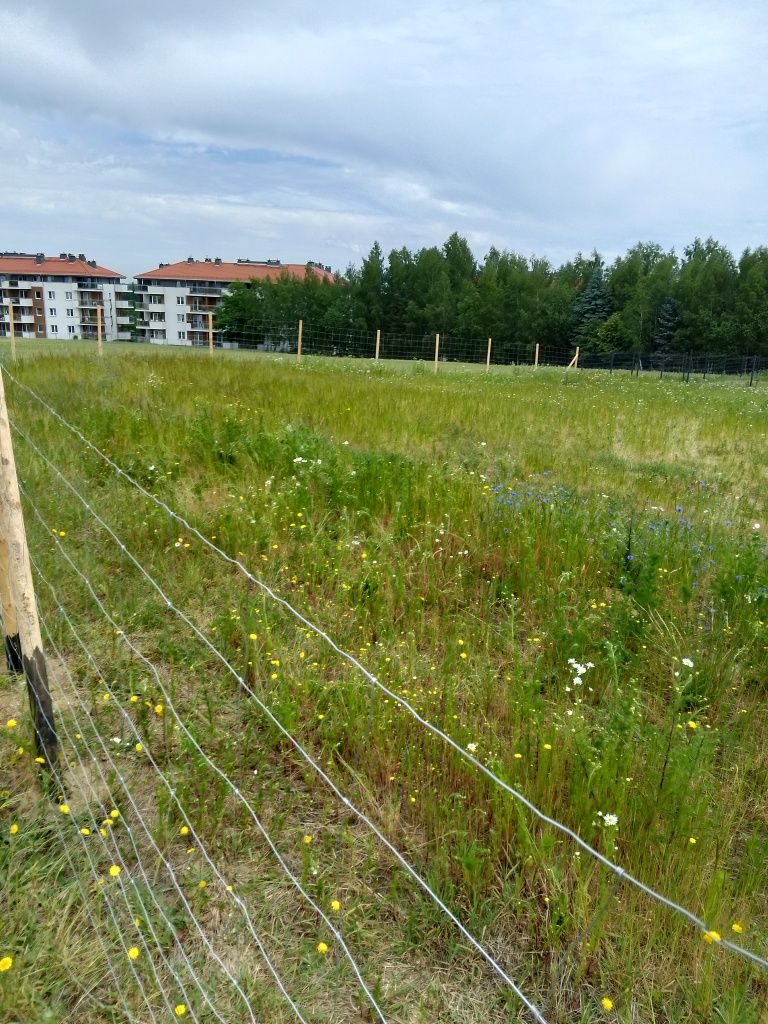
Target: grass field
x=469 y=537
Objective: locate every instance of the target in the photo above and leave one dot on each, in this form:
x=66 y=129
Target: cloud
x=279 y=130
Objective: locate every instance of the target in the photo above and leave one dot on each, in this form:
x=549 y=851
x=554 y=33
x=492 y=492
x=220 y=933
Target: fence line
x=300 y=749
x=402 y=702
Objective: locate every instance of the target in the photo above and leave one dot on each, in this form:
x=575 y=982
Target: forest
x=646 y=301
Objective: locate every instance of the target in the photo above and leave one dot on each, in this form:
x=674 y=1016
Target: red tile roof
x=53 y=266
x=201 y=270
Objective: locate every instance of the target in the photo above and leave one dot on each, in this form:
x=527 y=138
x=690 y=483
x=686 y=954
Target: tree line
x=648 y=300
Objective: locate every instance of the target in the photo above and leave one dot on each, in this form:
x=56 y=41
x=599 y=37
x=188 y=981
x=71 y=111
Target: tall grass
x=532 y=559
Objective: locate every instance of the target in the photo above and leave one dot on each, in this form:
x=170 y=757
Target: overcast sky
x=147 y=132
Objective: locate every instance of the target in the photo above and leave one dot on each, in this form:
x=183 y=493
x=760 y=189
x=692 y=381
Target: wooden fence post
x=378 y=342
x=12 y=329
x=437 y=350
x=210 y=333
x=298 y=342
x=488 y=355
x=536 y=356
x=23 y=596
x=10 y=627
x=99 y=330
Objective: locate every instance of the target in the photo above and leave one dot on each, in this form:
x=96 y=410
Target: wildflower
x=138 y=748
x=6 y=963
x=180 y=1009
x=252 y=636
x=39 y=760
x=307 y=840
x=712 y=936
x=471 y=747
x=692 y=840
x=687 y=662
x=106 y=697
x=202 y=884
x=322 y=948
x=606 y=1003
x=114 y=871
x=336 y=907
x=85 y=831
x=547 y=746
x=133 y=699
x=64 y=808
x=158 y=709
x=13 y=829
x=114 y=814
x=11 y=723
x=609 y=820
x=518 y=756
x=737 y=927
x=693 y=725
x=184 y=830
x=133 y=953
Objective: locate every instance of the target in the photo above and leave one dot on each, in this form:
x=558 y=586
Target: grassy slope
x=465 y=534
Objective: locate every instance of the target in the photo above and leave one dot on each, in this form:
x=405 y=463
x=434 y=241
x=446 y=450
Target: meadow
x=564 y=571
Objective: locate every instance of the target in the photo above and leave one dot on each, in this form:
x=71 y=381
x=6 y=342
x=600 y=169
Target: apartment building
x=175 y=302
x=64 y=296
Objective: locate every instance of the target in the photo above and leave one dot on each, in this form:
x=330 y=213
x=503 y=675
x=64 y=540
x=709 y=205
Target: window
x=70 y=329
x=70 y=312
x=182 y=335
x=68 y=295
x=180 y=300
x=38 y=313
x=51 y=310
x=156 y=300
x=38 y=295
x=157 y=318
x=51 y=295
x=54 y=329
x=179 y=318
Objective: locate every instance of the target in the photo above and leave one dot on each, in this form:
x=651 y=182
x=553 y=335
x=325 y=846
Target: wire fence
x=305 y=338
x=127 y=836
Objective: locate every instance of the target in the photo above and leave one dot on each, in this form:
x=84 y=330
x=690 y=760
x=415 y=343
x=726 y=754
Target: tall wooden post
x=298 y=341
x=576 y=359
x=488 y=355
x=23 y=595
x=437 y=350
x=536 y=356
x=378 y=342
x=99 y=323
x=12 y=329
x=210 y=333
x=10 y=626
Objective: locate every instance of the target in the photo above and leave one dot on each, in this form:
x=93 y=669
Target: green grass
x=464 y=534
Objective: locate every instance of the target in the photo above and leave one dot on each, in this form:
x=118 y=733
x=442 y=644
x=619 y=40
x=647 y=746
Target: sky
x=151 y=132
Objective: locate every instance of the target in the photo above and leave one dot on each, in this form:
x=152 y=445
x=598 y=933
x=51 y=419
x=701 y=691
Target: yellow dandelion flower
x=335 y=906
x=547 y=746
x=606 y=1003
x=737 y=927
x=39 y=760
x=133 y=699
x=180 y=1009
x=114 y=814
x=138 y=748
x=692 y=840
x=322 y=948
x=6 y=963
x=13 y=829
x=11 y=723
x=133 y=953
x=202 y=884
x=307 y=840
x=20 y=751
x=712 y=936
x=85 y=831
x=252 y=636
x=693 y=725
x=158 y=709
x=106 y=696
x=518 y=756
x=114 y=871
x=64 y=808
x=184 y=830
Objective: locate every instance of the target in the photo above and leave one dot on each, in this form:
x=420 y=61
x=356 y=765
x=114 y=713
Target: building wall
x=175 y=313
x=58 y=308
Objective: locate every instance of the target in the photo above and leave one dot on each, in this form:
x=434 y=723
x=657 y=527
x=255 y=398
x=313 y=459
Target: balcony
x=196 y=289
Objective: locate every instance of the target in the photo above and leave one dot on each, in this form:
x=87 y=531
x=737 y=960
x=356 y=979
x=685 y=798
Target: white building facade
x=61 y=297
x=175 y=302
